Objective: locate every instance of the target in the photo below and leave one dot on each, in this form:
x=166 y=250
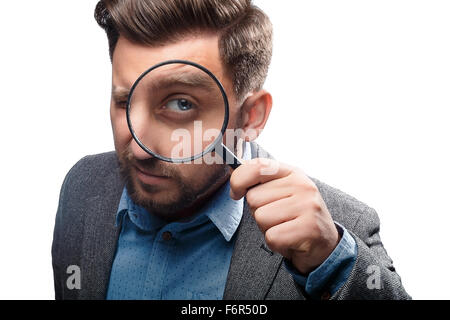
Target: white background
x=361 y=97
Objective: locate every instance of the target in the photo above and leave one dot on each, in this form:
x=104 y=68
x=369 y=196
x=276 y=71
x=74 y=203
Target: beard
x=183 y=195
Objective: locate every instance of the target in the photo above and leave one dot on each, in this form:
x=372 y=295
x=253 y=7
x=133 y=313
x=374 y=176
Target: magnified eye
x=179 y=105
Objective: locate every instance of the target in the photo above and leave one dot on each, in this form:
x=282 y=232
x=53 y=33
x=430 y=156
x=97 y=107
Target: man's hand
x=288 y=209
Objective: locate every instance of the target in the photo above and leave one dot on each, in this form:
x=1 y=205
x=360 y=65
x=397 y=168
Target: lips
x=148 y=173
x=148 y=177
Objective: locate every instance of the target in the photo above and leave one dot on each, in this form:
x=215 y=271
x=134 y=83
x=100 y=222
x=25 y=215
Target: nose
x=138 y=152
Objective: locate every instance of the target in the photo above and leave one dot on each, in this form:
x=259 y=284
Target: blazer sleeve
x=373 y=276
x=57 y=272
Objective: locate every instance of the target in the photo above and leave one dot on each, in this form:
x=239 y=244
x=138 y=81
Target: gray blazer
x=85 y=236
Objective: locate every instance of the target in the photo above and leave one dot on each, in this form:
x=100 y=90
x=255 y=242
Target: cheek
x=234 y=131
x=196 y=175
x=121 y=133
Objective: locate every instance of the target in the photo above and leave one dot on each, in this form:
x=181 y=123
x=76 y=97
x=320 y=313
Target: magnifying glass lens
x=177 y=111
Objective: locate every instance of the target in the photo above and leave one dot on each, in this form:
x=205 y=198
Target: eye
x=121 y=103
x=179 y=105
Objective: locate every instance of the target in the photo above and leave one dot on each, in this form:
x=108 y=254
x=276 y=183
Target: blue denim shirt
x=157 y=260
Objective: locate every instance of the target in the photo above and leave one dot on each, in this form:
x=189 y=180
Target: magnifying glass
x=178 y=111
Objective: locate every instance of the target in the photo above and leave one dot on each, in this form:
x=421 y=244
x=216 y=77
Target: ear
x=255 y=112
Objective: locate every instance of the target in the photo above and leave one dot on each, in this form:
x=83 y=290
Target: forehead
x=130 y=60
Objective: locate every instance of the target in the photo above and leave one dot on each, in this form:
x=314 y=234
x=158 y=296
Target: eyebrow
x=119 y=93
x=193 y=80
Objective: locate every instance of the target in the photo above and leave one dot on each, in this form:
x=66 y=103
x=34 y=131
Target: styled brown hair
x=245 y=32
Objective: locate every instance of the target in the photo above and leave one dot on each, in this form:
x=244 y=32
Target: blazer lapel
x=253 y=266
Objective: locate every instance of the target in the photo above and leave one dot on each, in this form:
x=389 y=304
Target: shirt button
x=167 y=235
x=325 y=296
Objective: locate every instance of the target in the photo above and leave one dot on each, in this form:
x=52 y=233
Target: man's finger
x=256 y=171
x=268 y=192
x=285 y=236
x=277 y=212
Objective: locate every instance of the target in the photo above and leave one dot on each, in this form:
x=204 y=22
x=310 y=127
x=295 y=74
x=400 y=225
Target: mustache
x=153 y=165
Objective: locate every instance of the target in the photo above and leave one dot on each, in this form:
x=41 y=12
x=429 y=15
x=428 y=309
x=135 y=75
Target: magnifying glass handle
x=230 y=158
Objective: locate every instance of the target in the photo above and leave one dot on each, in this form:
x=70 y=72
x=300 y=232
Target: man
x=130 y=226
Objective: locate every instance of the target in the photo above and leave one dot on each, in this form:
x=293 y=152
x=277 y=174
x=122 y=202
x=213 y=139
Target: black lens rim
x=224 y=125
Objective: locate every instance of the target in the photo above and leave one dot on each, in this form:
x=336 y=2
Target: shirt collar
x=137 y=214
x=224 y=212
